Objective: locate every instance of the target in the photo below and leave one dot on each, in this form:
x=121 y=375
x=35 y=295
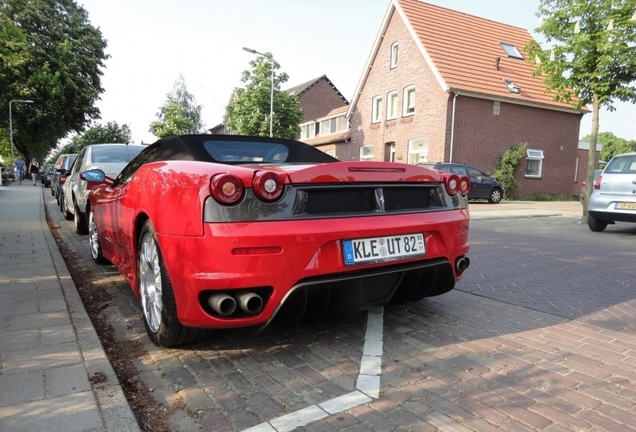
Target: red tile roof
x=462 y=49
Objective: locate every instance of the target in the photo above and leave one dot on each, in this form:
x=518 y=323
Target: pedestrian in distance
x=19 y=168
x=34 y=170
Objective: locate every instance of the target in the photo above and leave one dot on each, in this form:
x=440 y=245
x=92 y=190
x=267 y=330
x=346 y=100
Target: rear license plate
x=380 y=249
x=626 y=206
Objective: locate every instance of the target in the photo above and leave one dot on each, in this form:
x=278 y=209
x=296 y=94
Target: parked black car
x=45 y=175
x=482 y=186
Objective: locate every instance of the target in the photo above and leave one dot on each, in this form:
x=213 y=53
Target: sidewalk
x=54 y=373
x=480 y=210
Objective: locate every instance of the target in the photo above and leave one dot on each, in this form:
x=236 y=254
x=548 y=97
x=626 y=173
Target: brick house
x=441 y=85
x=325 y=125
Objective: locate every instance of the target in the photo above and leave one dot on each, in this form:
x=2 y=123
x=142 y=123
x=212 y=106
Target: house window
x=511 y=50
x=389 y=152
x=366 y=153
x=391 y=105
x=409 y=101
x=394 y=55
x=534 y=163
x=334 y=125
x=331 y=152
x=377 y=109
x=307 y=131
x=496 y=107
x=418 y=151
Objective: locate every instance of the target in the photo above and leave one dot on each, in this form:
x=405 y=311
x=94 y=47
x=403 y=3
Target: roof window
x=511 y=50
x=514 y=88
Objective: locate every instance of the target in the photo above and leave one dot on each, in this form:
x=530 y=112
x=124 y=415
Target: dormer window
x=394 y=55
x=511 y=50
x=514 y=88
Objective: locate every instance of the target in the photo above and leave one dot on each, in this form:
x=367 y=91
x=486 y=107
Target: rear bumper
x=309 y=264
x=604 y=206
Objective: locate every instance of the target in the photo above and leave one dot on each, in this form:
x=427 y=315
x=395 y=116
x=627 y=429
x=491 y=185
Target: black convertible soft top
x=234 y=149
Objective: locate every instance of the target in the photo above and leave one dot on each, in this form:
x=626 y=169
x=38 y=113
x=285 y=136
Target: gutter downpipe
x=452 y=137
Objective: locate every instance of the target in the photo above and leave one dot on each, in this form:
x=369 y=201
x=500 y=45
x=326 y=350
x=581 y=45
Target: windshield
x=114 y=154
x=246 y=151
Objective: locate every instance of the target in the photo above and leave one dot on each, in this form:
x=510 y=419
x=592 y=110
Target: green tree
x=180 y=114
x=590 y=58
x=53 y=56
x=613 y=145
x=99 y=134
x=508 y=165
x=249 y=111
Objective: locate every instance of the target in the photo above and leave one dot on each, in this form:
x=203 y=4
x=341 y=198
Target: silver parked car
x=613 y=196
x=110 y=158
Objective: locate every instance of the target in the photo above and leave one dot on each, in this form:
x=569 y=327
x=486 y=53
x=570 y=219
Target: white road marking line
x=368 y=384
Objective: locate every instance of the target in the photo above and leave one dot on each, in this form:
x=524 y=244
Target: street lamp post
x=11 y=123
x=271 y=96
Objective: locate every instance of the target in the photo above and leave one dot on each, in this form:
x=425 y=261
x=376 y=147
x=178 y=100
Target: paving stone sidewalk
x=54 y=374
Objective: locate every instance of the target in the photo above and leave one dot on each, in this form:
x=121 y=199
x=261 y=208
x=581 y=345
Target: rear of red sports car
x=249 y=244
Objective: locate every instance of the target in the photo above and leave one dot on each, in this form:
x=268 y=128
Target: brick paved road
x=538 y=336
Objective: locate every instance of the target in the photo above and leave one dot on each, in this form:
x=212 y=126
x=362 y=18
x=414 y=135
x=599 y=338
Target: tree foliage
x=249 y=111
x=100 y=134
x=180 y=114
x=590 y=55
x=508 y=165
x=613 y=145
x=51 y=54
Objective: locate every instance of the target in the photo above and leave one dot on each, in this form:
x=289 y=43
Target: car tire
x=93 y=239
x=64 y=207
x=495 y=196
x=79 y=221
x=158 y=305
x=596 y=224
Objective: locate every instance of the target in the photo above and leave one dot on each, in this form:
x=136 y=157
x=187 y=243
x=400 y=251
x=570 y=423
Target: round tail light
x=452 y=184
x=464 y=185
x=267 y=185
x=226 y=188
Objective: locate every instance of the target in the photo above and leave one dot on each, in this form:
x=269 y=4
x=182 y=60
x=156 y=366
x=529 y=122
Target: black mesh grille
x=398 y=198
x=368 y=199
x=339 y=200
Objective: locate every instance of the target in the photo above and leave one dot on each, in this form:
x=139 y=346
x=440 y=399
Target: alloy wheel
x=150 y=285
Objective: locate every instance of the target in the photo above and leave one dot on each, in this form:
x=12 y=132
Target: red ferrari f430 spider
x=226 y=231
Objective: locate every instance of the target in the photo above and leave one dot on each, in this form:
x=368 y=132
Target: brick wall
x=481 y=137
x=430 y=101
x=319 y=100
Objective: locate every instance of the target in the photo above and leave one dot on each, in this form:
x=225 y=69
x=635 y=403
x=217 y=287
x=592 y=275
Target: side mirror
x=95 y=175
x=60 y=171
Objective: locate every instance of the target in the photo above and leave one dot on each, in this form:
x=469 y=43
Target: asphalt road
x=539 y=335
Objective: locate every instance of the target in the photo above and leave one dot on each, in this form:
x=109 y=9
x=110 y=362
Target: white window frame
x=418 y=150
x=331 y=152
x=307 y=127
x=366 y=153
x=392 y=105
x=534 y=157
x=376 y=108
x=408 y=108
x=511 y=50
x=394 y=55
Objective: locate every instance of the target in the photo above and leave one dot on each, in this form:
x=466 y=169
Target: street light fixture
x=11 y=123
x=271 y=96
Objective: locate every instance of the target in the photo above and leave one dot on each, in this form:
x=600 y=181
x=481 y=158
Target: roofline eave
x=525 y=102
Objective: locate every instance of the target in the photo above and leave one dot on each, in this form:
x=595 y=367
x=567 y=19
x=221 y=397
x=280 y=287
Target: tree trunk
x=591 y=156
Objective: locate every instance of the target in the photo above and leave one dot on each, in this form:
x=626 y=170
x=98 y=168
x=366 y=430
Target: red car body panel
x=200 y=256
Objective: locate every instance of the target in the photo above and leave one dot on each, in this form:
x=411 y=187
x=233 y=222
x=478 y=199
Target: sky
x=152 y=42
